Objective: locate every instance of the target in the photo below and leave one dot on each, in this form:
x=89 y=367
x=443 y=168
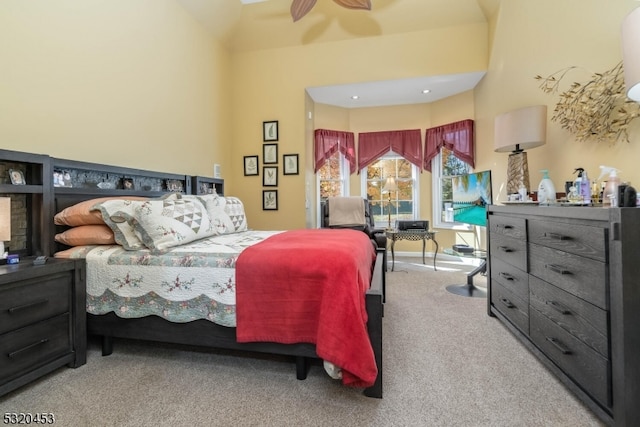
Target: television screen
x=471 y=195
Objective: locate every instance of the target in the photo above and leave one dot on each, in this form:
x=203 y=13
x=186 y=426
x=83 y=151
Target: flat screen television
x=471 y=195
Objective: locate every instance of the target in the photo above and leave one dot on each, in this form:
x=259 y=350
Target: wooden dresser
x=42 y=320
x=566 y=282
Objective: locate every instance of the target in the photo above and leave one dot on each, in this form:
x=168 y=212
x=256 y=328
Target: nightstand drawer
x=582 y=277
x=34 y=345
x=33 y=300
x=580 y=362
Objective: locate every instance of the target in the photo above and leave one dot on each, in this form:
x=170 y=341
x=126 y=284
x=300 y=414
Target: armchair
x=377 y=235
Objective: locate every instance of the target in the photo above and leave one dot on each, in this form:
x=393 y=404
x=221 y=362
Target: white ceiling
x=244 y=25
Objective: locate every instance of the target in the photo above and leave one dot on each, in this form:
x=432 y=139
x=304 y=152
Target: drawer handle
x=505 y=249
x=557 y=344
x=559 y=307
x=507 y=276
x=29 y=347
x=507 y=303
x=25 y=306
x=556 y=268
x=556 y=236
x=505 y=226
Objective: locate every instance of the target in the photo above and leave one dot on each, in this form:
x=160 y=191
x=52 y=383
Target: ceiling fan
x=300 y=8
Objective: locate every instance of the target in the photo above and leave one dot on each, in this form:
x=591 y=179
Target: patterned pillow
x=163 y=224
x=227 y=214
x=116 y=213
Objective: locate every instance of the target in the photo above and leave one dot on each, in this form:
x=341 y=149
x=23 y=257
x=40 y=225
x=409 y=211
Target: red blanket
x=309 y=286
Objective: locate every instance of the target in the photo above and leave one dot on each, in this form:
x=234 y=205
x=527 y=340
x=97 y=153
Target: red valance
x=327 y=142
x=457 y=137
x=373 y=145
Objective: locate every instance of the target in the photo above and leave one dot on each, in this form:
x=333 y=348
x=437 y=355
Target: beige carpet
x=446 y=363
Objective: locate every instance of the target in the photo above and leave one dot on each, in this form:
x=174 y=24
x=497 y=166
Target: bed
x=182 y=313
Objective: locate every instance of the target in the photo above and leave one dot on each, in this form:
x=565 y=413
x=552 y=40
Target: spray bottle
x=546 y=189
x=610 y=192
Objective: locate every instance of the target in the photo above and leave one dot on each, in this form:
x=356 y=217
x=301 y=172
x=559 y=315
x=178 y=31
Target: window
x=444 y=166
x=404 y=202
x=332 y=177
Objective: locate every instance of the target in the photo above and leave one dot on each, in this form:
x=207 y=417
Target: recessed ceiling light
x=355 y=97
x=425 y=91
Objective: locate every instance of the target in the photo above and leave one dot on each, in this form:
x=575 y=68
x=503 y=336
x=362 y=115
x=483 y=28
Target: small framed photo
x=269 y=200
x=270 y=153
x=251 y=166
x=270 y=176
x=174 y=185
x=270 y=131
x=290 y=164
x=127 y=184
x=17 y=177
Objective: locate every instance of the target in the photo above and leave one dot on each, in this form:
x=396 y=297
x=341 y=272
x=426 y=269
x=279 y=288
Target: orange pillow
x=87 y=235
x=81 y=213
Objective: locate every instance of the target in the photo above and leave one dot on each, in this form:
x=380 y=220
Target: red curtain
x=327 y=142
x=457 y=137
x=373 y=145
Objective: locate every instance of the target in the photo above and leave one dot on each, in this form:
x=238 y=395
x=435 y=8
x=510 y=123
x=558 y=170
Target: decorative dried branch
x=596 y=110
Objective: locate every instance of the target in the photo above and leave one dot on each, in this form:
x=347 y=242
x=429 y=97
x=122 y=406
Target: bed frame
x=204 y=333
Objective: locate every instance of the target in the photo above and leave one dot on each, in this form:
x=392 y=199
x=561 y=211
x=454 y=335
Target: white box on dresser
x=566 y=282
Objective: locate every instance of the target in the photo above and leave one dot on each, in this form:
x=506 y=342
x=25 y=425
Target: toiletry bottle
x=585 y=188
x=610 y=192
x=546 y=189
x=578 y=184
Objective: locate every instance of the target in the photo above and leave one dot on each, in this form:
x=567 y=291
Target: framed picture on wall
x=270 y=176
x=290 y=164
x=270 y=153
x=251 y=166
x=270 y=131
x=269 y=200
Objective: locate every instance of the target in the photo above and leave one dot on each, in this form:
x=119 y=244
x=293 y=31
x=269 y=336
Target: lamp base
x=517 y=172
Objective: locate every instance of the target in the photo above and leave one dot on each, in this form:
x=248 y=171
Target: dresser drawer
x=510 y=250
x=580 y=276
x=32 y=300
x=585 y=321
x=580 y=362
x=510 y=277
x=508 y=226
x=29 y=347
x=577 y=239
x=512 y=307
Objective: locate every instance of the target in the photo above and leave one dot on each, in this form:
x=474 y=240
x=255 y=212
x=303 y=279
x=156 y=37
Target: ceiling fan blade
x=355 y=4
x=299 y=8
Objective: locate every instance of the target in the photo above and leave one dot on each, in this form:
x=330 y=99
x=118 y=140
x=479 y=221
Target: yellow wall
x=130 y=83
x=270 y=85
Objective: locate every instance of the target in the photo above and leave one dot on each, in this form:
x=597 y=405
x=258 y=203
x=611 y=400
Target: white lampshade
x=390 y=185
x=631 y=54
x=521 y=129
x=5 y=222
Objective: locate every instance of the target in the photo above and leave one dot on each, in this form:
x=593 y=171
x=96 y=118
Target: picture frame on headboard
x=17 y=177
x=269 y=200
x=270 y=131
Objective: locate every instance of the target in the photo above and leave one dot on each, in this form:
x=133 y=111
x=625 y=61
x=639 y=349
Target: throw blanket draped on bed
x=322 y=303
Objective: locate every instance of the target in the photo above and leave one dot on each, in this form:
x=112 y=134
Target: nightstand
x=42 y=319
x=415 y=235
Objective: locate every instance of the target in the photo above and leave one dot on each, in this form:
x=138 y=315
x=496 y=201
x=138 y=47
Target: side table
x=414 y=235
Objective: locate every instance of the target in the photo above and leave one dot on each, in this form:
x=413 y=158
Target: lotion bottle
x=546 y=189
x=610 y=192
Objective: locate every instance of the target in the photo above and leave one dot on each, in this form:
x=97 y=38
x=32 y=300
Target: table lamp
x=516 y=131
x=389 y=186
x=5 y=222
x=630 y=55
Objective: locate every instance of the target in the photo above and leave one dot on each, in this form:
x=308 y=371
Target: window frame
x=344 y=179
x=436 y=196
x=415 y=178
